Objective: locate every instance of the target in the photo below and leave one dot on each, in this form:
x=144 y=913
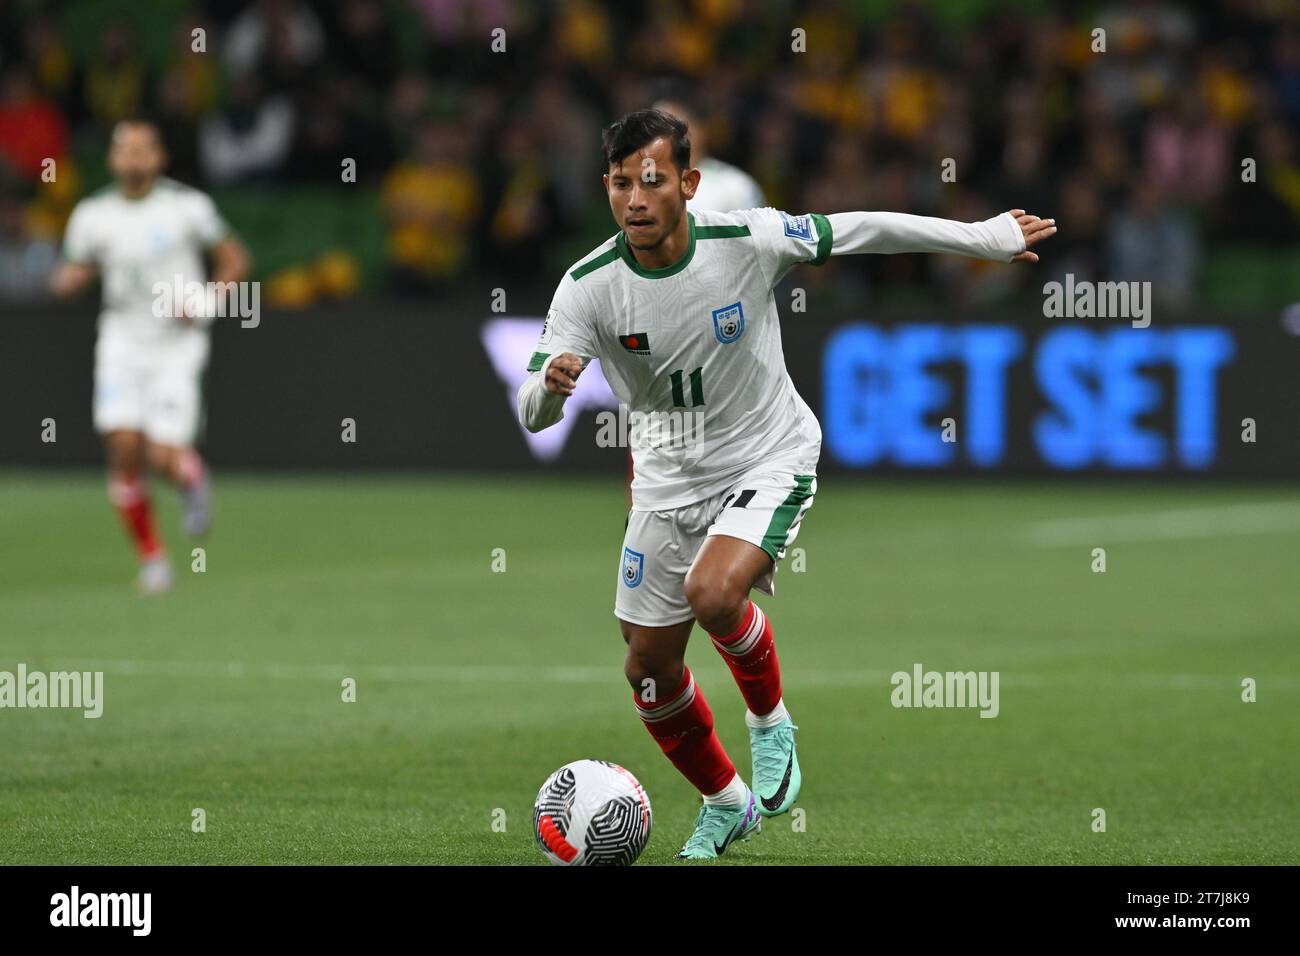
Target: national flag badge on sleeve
x=638 y=343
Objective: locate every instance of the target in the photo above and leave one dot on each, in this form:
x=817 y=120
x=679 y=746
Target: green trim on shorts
x=783 y=517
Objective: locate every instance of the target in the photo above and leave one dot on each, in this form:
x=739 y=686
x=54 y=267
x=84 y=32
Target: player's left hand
x=1035 y=230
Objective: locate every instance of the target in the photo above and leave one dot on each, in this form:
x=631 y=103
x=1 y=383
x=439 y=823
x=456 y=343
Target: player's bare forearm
x=72 y=278
x=230 y=261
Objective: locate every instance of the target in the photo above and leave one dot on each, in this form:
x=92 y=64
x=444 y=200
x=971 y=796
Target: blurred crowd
x=1176 y=139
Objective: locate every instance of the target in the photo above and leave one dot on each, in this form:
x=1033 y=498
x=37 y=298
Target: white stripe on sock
x=675 y=706
x=747 y=642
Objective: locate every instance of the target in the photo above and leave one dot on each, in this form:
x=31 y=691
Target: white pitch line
x=1275 y=517
x=604 y=675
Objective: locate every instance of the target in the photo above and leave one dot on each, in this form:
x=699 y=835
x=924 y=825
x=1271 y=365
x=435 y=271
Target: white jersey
x=724 y=187
x=137 y=243
x=694 y=349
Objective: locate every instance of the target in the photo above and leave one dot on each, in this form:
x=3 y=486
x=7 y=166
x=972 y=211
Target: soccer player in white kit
x=140 y=235
x=722 y=187
x=679 y=308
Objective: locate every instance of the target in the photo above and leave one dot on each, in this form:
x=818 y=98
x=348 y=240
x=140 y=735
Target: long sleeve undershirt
x=539 y=408
x=998 y=238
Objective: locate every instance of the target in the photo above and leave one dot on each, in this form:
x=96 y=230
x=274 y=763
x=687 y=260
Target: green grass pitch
x=1119 y=690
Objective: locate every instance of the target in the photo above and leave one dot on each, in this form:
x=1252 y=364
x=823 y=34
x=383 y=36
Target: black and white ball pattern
x=592 y=813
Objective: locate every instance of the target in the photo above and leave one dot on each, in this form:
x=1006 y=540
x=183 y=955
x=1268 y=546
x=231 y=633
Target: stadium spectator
x=282 y=36
x=431 y=200
x=115 y=85
x=1150 y=240
x=249 y=140
x=31 y=127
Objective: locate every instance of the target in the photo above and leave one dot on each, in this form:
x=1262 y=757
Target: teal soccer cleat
x=197 y=503
x=776 y=768
x=716 y=828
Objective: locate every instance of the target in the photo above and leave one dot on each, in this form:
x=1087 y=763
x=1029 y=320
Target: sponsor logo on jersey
x=799 y=227
x=546 y=327
x=729 y=323
x=638 y=343
x=633 y=567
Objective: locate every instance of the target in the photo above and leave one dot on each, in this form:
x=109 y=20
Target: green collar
x=666 y=271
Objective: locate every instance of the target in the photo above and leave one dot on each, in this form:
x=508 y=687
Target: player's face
x=135 y=156
x=647 y=194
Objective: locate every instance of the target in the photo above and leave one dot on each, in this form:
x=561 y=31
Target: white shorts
x=765 y=508
x=154 y=391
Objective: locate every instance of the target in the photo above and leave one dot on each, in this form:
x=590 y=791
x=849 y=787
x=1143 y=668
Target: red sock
x=751 y=654
x=682 y=725
x=129 y=497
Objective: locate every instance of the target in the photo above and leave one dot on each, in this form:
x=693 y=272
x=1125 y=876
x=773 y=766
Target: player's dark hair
x=640 y=128
x=141 y=119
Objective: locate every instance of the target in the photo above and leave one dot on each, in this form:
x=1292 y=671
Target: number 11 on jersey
x=697 y=387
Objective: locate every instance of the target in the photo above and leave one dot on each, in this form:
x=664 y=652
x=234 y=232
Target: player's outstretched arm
x=541 y=397
x=1005 y=238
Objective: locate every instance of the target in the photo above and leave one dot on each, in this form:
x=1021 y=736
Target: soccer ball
x=591 y=813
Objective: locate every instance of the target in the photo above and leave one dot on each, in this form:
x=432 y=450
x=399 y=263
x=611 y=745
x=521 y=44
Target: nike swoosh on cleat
x=728 y=841
x=778 y=797
x=731 y=837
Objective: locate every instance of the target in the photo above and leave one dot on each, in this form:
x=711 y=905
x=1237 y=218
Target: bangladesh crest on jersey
x=729 y=323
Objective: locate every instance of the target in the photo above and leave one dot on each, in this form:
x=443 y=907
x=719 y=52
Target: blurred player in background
x=679 y=308
x=723 y=187
x=139 y=235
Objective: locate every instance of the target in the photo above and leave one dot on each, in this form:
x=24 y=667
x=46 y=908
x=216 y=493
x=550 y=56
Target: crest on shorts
x=633 y=567
x=729 y=323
